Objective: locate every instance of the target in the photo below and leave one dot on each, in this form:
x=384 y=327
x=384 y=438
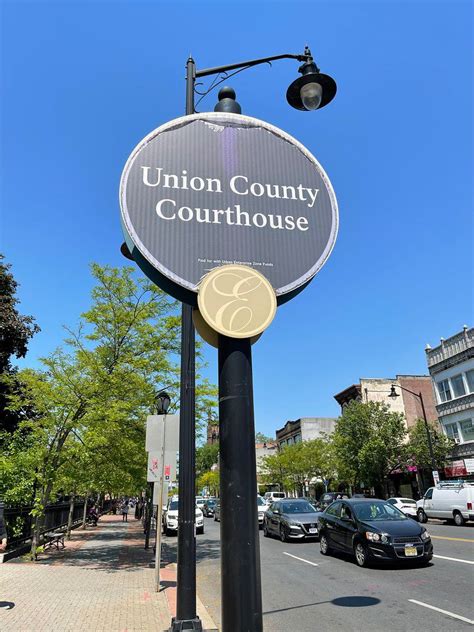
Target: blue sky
x=83 y=82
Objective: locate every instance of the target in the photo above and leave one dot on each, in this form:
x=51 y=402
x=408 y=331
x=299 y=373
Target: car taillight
x=469 y=506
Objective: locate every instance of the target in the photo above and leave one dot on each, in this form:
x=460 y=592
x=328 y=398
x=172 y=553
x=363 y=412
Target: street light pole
x=186 y=617
x=393 y=395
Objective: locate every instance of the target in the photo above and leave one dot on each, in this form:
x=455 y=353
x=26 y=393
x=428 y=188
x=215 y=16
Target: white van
x=451 y=500
x=272 y=496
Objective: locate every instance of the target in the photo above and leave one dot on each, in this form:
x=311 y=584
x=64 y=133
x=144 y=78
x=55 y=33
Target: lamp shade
x=162 y=403
x=308 y=89
x=393 y=394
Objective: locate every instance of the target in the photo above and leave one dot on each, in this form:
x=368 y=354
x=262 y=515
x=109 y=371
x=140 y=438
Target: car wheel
x=200 y=531
x=420 y=514
x=215 y=518
x=361 y=554
x=283 y=534
x=167 y=531
x=324 y=544
x=458 y=519
x=266 y=532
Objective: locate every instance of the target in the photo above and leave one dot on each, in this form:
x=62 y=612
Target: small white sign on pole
x=435 y=474
x=153 y=468
x=155 y=433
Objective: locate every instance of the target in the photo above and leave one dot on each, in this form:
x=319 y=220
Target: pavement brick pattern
x=103 y=581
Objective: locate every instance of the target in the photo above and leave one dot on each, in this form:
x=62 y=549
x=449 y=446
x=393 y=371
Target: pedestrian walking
x=125 y=508
x=3 y=530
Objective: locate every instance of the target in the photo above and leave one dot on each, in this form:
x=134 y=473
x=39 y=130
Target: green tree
x=417 y=450
x=210 y=480
x=368 y=441
x=15 y=332
x=262 y=438
x=97 y=391
x=207 y=455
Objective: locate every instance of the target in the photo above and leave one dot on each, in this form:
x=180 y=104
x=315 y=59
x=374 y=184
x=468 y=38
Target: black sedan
x=373 y=530
x=291 y=518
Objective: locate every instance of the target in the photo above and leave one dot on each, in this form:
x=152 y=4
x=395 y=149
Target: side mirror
x=276 y=512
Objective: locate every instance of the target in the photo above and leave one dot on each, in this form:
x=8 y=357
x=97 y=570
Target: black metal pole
x=240 y=551
x=186 y=617
x=428 y=434
x=149 y=512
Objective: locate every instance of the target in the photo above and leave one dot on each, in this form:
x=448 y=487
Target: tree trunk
x=84 y=515
x=71 y=515
x=39 y=520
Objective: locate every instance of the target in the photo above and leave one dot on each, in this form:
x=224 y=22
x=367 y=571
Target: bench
x=54 y=538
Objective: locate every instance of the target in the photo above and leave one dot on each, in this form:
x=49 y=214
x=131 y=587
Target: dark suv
x=373 y=530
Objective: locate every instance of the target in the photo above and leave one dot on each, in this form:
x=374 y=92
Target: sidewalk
x=102 y=581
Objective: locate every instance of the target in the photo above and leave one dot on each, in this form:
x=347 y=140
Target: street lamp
x=162 y=402
x=394 y=395
x=239 y=541
x=312 y=91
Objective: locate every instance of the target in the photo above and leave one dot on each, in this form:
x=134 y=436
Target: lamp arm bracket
x=247 y=64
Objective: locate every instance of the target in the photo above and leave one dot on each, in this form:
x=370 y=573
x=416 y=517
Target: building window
x=452 y=431
x=467 y=429
x=298 y=438
x=458 y=385
x=470 y=380
x=444 y=391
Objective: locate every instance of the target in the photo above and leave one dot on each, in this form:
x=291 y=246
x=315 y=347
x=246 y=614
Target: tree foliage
x=15 y=332
x=368 y=442
x=209 y=480
x=262 y=438
x=206 y=457
x=417 y=449
x=296 y=465
x=92 y=396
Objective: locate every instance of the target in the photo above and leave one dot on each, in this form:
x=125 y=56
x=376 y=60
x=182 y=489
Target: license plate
x=312 y=530
x=410 y=551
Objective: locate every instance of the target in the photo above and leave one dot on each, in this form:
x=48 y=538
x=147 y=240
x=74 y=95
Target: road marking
x=300 y=559
x=453 y=559
x=449 y=614
x=442 y=537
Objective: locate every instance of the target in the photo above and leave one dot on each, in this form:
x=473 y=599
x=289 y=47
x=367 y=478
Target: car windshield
x=377 y=510
x=407 y=501
x=297 y=507
x=173 y=505
x=260 y=501
x=210 y=503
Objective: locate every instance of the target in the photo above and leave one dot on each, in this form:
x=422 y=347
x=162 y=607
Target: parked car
x=451 y=500
x=217 y=511
x=170 y=519
x=208 y=507
x=328 y=497
x=200 y=500
x=271 y=496
x=291 y=518
x=373 y=530
x=261 y=509
x=406 y=506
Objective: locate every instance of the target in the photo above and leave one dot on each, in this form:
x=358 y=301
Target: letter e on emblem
x=237 y=301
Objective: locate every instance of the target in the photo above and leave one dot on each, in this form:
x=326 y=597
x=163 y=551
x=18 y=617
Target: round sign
x=215 y=189
x=237 y=301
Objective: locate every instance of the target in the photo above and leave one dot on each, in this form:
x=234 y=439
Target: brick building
x=378 y=390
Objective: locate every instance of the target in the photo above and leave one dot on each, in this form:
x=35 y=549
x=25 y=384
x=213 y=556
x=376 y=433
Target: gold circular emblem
x=237 y=301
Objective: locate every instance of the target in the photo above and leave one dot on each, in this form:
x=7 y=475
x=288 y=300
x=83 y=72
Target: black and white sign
x=213 y=189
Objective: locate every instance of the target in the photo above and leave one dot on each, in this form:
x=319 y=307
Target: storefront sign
x=214 y=189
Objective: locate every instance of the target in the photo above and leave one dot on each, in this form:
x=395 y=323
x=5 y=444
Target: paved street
x=304 y=591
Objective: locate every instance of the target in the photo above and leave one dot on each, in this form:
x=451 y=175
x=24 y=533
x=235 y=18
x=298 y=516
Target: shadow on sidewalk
x=114 y=546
